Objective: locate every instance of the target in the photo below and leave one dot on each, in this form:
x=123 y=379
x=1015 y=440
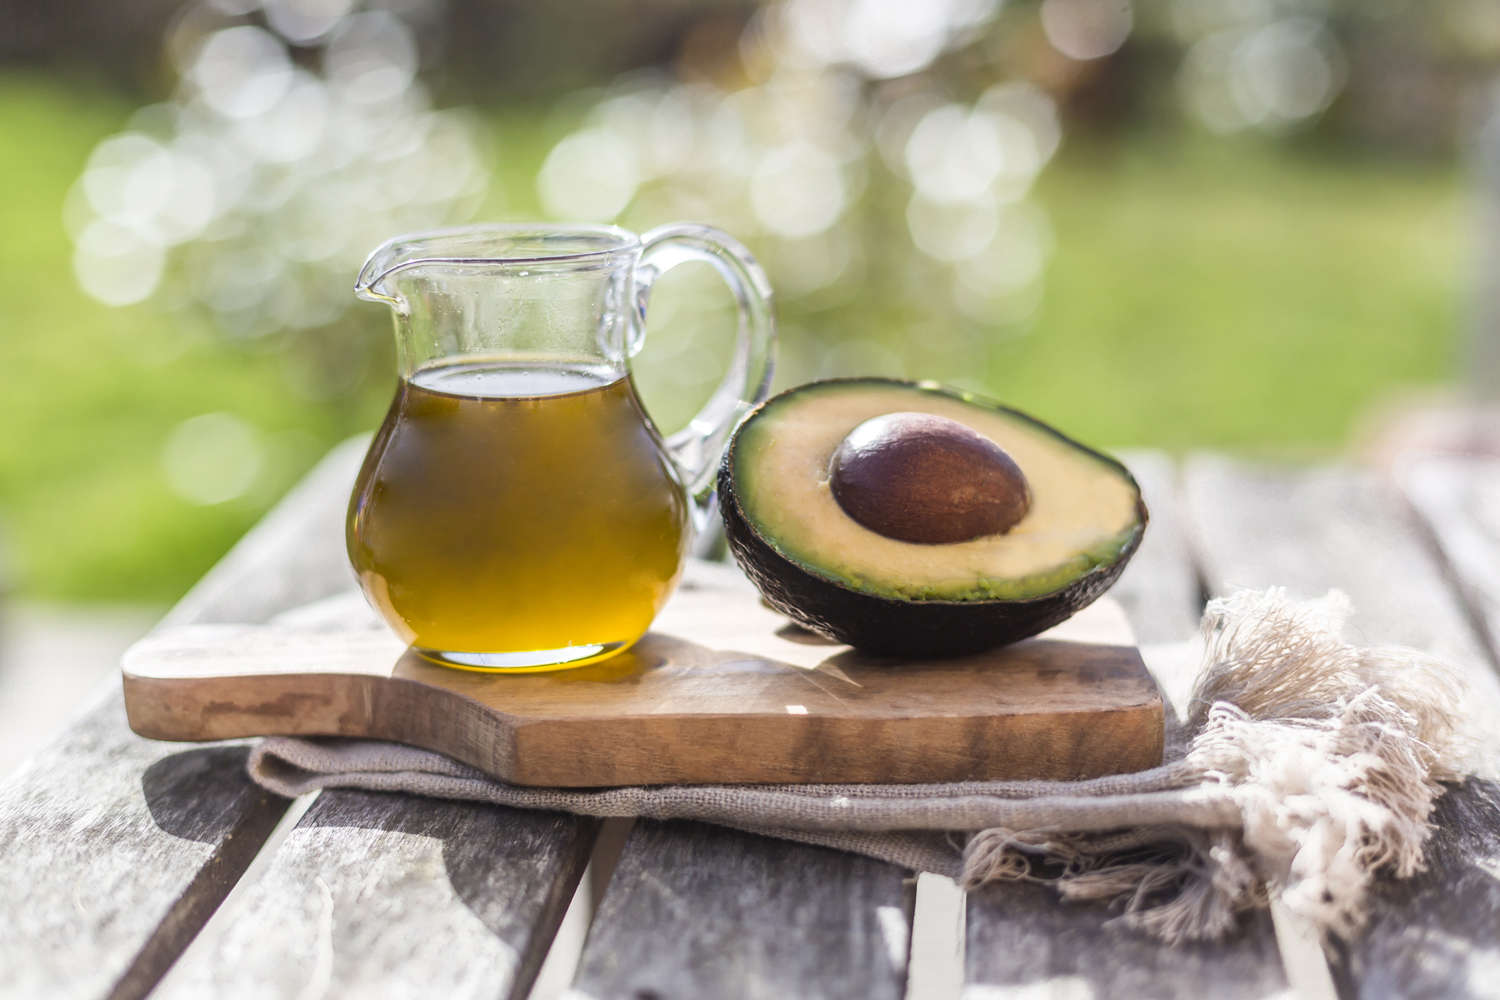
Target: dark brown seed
x=921 y=478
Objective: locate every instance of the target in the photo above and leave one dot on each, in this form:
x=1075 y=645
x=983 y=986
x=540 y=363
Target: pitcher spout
x=375 y=282
x=460 y=252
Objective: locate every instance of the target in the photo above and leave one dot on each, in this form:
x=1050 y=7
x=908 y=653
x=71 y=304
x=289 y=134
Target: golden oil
x=517 y=516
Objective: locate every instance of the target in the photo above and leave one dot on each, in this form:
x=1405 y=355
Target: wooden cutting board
x=723 y=690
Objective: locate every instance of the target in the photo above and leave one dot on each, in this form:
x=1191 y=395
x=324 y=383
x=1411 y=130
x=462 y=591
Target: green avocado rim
x=1104 y=553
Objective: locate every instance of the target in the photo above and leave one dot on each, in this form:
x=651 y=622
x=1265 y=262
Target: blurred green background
x=1257 y=286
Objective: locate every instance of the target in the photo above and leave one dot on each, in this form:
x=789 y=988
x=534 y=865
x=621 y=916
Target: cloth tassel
x=1334 y=755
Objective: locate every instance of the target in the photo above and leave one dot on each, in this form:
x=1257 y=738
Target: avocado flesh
x=1085 y=512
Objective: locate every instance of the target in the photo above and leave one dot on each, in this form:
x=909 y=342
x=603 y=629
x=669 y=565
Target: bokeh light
x=241 y=72
x=1269 y=67
x=589 y=175
x=838 y=91
x=1086 y=29
x=213 y=458
x=880 y=38
x=303 y=22
x=117 y=265
x=797 y=190
x=257 y=191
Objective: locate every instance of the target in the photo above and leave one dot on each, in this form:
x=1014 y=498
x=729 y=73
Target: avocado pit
x=919 y=477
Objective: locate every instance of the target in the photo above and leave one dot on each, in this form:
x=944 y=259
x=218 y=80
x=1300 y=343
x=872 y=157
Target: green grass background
x=1233 y=294
x=1202 y=293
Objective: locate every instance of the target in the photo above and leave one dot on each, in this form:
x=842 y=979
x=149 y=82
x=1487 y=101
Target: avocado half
x=818 y=566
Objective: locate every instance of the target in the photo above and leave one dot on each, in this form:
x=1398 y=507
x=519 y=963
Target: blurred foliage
x=1202 y=293
x=1237 y=293
x=1257 y=290
x=94 y=392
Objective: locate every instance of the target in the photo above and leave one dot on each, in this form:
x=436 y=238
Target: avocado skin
x=912 y=629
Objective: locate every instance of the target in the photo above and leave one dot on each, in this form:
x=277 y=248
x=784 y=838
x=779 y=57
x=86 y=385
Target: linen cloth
x=1296 y=764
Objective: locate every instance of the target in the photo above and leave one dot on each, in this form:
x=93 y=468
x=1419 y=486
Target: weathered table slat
x=117 y=849
x=699 y=911
x=1023 y=941
x=1322 y=528
x=1437 y=934
x=397 y=896
x=1159 y=589
x=1458 y=502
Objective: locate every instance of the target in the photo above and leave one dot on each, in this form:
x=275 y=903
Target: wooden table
x=115 y=850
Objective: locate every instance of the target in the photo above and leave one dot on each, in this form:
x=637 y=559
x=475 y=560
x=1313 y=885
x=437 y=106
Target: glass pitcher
x=517 y=510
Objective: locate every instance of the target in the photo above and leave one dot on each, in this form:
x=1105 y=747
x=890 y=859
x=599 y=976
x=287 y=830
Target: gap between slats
x=212 y=931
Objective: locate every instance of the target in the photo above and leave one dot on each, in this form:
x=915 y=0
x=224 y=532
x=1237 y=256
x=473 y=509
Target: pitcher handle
x=696 y=448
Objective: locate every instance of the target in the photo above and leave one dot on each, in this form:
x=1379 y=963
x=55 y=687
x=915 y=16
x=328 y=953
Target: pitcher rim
x=365 y=284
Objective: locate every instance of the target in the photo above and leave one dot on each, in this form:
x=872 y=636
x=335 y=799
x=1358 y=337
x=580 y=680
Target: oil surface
x=509 y=510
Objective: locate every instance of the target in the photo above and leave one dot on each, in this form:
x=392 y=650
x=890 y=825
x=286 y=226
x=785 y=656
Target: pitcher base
x=530 y=661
